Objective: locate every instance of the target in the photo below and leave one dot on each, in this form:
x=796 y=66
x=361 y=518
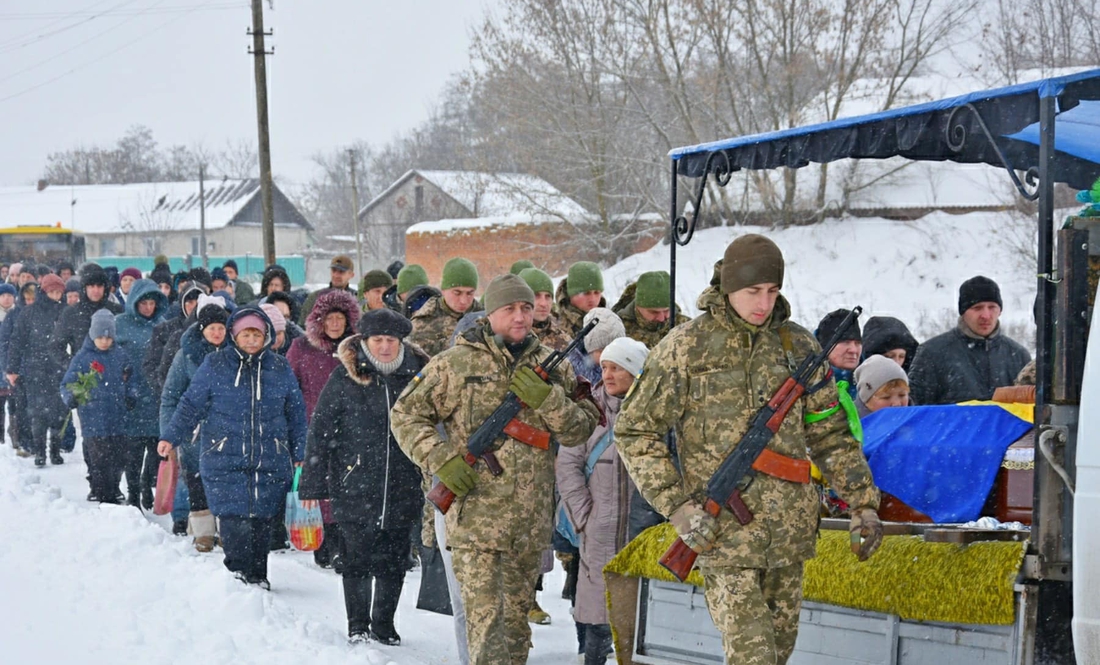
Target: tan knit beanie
x=749 y=260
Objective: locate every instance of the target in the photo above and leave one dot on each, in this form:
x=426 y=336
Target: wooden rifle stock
x=679 y=559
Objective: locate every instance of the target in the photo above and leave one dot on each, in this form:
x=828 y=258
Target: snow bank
x=911 y=270
x=92 y=584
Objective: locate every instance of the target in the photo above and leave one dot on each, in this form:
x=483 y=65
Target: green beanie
x=374 y=279
x=539 y=281
x=458 y=272
x=520 y=266
x=652 y=290
x=410 y=277
x=583 y=276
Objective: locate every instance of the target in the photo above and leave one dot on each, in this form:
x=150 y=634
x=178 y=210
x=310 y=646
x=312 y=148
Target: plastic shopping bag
x=305 y=526
x=167 y=477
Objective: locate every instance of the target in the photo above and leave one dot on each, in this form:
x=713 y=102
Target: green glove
x=457 y=475
x=529 y=387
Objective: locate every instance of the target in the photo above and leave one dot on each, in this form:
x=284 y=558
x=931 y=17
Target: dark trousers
x=142 y=464
x=22 y=434
x=46 y=433
x=107 y=456
x=245 y=541
x=371 y=552
x=3 y=416
x=195 y=491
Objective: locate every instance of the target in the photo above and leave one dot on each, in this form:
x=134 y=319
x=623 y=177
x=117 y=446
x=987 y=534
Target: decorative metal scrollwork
x=718 y=163
x=955 y=135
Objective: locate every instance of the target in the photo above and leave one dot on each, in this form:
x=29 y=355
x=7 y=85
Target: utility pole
x=202 y=216
x=355 y=214
x=260 y=57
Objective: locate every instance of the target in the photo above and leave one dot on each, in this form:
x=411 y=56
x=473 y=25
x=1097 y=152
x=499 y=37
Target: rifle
x=502 y=421
x=736 y=471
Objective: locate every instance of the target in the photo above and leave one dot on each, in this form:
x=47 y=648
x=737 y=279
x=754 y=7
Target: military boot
x=357 y=593
x=387 y=593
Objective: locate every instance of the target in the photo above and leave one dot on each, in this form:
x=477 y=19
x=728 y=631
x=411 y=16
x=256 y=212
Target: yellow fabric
x=1025 y=412
x=915 y=580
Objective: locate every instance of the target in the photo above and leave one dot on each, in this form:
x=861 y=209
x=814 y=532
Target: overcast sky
x=82 y=71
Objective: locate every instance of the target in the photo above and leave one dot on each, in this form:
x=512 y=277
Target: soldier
x=546 y=327
x=645 y=317
x=520 y=266
x=372 y=287
x=580 y=291
x=434 y=323
x=706 y=379
x=505 y=520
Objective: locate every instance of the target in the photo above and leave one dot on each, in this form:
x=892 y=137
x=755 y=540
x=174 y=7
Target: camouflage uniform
x=433 y=325
x=646 y=332
x=498 y=531
x=570 y=318
x=705 y=379
x=552 y=334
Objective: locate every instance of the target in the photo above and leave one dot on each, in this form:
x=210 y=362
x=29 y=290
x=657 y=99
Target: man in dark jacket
x=847 y=353
x=341 y=276
x=31 y=361
x=243 y=292
x=72 y=325
x=353 y=458
x=975 y=358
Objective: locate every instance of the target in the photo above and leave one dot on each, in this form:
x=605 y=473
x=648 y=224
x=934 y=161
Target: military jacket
x=434 y=324
x=706 y=379
x=459 y=389
x=552 y=334
x=646 y=332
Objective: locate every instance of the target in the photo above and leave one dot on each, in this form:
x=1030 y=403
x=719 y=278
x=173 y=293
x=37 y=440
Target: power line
x=72 y=48
x=37 y=31
x=106 y=55
x=171 y=9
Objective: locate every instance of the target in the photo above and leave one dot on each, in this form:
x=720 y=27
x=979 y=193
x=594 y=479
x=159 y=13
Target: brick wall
x=493 y=249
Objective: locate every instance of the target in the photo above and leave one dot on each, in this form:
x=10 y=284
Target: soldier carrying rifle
x=500 y=523
x=707 y=379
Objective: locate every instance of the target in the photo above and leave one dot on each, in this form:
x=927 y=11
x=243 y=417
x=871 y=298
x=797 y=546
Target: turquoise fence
x=249 y=267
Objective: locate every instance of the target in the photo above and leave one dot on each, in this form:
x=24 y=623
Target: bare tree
x=1043 y=36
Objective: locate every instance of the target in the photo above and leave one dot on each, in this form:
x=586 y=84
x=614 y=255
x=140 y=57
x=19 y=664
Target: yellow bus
x=44 y=244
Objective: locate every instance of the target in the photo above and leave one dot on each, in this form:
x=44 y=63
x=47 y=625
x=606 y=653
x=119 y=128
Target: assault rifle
x=738 y=469
x=503 y=422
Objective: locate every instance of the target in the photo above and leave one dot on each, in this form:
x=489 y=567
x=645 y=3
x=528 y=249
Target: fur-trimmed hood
x=351 y=355
x=331 y=300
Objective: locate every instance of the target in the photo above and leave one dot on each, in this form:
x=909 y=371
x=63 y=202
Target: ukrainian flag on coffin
x=940 y=460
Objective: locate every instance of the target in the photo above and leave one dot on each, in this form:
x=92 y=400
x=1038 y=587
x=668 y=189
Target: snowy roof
x=448 y=225
x=159 y=206
x=494 y=194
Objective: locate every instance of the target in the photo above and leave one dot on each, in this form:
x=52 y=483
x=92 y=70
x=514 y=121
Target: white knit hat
x=630 y=354
x=609 y=328
x=874 y=373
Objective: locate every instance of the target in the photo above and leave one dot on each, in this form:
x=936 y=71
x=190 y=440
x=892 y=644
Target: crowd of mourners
x=243 y=386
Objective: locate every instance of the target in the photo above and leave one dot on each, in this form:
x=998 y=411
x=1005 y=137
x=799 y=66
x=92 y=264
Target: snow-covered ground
x=910 y=270
x=90 y=584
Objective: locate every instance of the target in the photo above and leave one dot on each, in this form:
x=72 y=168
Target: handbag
x=167 y=477
x=434 y=595
x=305 y=526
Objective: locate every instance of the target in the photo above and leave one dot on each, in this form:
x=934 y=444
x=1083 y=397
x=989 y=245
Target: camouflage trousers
x=756 y=611
x=497 y=588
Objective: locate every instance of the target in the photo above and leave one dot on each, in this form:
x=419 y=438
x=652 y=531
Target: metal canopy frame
x=1013 y=128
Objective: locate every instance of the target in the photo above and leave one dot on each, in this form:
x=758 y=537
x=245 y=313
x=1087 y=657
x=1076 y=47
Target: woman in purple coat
x=312 y=359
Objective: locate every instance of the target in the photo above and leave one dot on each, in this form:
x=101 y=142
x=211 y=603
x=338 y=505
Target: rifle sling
x=524 y=433
x=780 y=466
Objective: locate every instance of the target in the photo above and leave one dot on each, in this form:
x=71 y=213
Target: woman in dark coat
x=33 y=360
x=313 y=357
x=354 y=460
x=20 y=430
x=887 y=336
x=253 y=432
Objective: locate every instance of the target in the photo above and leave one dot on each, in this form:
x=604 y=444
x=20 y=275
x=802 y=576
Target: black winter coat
x=172 y=344
x=954 y=367
x=885 y=333
x=32 y=355
x=351 y=455
x=72 y=325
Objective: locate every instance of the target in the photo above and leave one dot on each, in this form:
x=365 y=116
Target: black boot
x=387 y=593
x=357 y=593
x=40 y=459
x=55 y=454
x=597 y=644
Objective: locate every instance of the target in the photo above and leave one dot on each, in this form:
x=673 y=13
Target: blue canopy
x=950 y=129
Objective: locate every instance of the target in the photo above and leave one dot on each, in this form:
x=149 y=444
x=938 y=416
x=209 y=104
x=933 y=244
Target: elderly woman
x=597 y=491
x=881 y=383
x=253 y=432
x=354 y=460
